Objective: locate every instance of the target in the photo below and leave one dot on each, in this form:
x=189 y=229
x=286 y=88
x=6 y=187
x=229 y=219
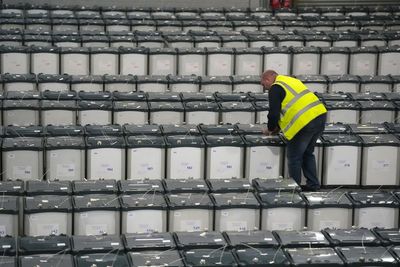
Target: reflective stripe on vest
x=296 y=97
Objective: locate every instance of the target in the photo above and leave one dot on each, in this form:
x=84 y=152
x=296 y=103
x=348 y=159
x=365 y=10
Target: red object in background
x=276 y=4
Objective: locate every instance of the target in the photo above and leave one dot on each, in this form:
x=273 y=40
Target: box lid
x=63 y=260
x=24 y=131
x=364 y=199
x=351 y=237
x=99 y=96
x=105 y=259
x=96 y=244
x=190 y=201
x=201 y=106
x=388 y=236
x=146 y=186
x=380 y=140
x=340 y=140
x=192 y=240
x=175 y=186
x=327 y=199
x=231 y=97
x=60 y=95
x=52 y=244
x=263 y=140
x=252 y=238
x=163 y=96
x=206 y=97
x=138 y=141
x=93 y=142
x=336 y=128
x=216 y=80
x=156 y=258
x=96 y=202
x=223 y=140
x=206 y=257
x=37 y=187
x=141 y=129
x=166 y=106
x=9 y=205
x=236 y=106
x=346 y=78
x=273 y=185
x=297 y=239
x=314 y=256
x=129 y=96
x=148 y=241
x=23 y=95
x=235 y=201
x=104 y=130
x=230 y=185
x=47 y=203
x=95 y=187
x=14 y=188
x=371 y=255
x=149 y=201
x=342 y=104
x=281 y=200
x=368 y=128
x=64 y=130
x=368 y=96
x=22 y=143
x=261 y=257
x=181 y=129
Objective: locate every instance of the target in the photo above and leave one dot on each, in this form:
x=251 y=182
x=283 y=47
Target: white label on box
x=84 y=215
x=382 y=165
x=146 y=228
x=177 y=214
x=363 y=65
x=264 y=166
x=96 y=229
x=53 y=154
x=186 y=165
x=329 y=224
x=191 y=225
x=48 y=229
x=334 y=66
x=317 y=212
x=225 y=213
x=237 y=225
x=65 y=170
x=11 y=156
x=282 y=226
x=249 y=66
x=342 y=164
x=163 y=64
x=131 y=213
x=305 y=65
x=192 y=67
x=22 y=172
x=107 y=167
x=3 y=230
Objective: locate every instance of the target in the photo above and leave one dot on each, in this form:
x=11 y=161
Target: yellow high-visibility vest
x=298 y=108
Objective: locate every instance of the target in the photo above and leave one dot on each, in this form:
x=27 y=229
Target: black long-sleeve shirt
x=276 y=94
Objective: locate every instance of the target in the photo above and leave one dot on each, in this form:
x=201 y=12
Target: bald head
x=268 y=78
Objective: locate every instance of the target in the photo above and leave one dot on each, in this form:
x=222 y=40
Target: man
x=301 y=117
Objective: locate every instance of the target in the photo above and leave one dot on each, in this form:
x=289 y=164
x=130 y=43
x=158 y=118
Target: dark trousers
x=300 y=152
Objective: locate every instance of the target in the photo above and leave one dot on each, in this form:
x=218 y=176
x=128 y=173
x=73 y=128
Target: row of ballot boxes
x=24 y=108
x=292 y=58
x=87 y=11
x=342 y=247
x=347 y=155
x=145 y=206
x=126 y=87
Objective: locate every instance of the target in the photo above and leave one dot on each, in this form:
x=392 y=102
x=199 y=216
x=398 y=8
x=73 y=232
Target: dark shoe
x=306 y=188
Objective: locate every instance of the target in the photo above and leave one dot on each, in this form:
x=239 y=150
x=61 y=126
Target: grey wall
x=148 y=3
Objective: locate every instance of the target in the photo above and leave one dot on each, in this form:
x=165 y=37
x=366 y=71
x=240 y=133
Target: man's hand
x=267 y=132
